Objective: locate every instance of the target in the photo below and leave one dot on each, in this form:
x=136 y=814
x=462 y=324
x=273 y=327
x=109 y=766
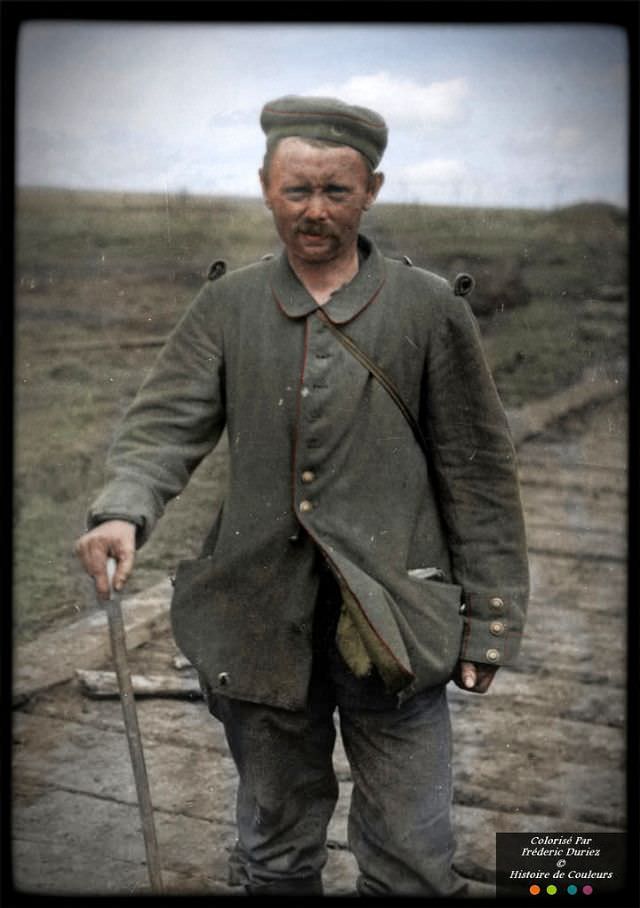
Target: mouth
x=314 y=237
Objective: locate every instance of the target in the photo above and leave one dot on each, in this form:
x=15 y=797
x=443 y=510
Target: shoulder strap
x=384 y=380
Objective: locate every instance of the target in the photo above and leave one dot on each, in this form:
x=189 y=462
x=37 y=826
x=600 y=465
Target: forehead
x=294 y=157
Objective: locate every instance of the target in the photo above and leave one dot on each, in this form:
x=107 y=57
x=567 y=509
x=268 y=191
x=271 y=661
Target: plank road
x=543 y=752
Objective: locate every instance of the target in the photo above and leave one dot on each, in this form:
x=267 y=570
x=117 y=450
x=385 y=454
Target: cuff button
x=493 y=655
x=496 y=628
x=496 y=604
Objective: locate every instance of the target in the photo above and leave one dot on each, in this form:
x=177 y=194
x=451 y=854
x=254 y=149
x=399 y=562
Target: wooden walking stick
x=119 y=651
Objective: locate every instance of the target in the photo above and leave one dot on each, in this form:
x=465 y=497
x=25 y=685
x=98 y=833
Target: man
x=346 y=568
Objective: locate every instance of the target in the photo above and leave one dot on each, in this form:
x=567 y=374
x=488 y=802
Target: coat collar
x=295 y=301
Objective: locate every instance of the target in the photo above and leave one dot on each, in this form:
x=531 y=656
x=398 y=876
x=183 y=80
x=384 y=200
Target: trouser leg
x=400 y=820
x=287 y=791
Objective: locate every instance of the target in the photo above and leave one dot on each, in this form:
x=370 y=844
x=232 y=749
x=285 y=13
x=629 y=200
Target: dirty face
x=318 y=196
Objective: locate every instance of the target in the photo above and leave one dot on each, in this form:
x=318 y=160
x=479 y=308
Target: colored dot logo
x=534 y=889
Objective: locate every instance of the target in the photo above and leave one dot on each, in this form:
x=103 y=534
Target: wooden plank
x=105 y=344
x=585 y=479
x=101 y=684
x=564 y=669
x=172 y=721
x=57 y=851
x=72 y=843
x=584 y=630
x=549 y=695
x=572 y=770
x=593 y=545
x=554 y=647
x=80 y=758
x=567 y=617
x=533 y=418
x=55 y=655
x=565 y=700
x=597 y=452
x=585 y=585
x=555 y=766
x=491 y=718
x=606 y=512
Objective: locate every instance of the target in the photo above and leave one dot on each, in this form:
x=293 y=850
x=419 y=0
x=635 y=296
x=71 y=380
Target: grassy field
x=96 y=271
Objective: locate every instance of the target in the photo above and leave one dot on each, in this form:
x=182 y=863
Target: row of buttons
x=306 y=506
x=315 y=378
x=496 y=605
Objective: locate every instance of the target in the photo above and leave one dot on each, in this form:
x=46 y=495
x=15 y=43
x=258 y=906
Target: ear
x=263 y=186
x=375 y=185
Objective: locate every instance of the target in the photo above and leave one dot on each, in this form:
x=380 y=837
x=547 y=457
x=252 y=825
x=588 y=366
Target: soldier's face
x=318 y=196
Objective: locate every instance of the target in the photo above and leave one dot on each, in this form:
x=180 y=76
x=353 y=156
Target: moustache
x=313 y=229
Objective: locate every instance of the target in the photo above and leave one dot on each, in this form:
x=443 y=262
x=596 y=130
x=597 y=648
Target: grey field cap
x=328 y=119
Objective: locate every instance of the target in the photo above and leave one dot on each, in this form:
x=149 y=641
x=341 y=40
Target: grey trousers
x=399 y=827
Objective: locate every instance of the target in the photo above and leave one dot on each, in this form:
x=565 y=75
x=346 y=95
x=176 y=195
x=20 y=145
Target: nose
x=316 y=207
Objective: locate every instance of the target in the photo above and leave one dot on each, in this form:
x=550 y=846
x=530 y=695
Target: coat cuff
x=125 y=501
x=94 y=520
x=492 y=629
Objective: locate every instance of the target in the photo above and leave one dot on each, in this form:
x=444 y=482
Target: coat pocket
x=194 y=617
x=431 y=624
x=243 y=624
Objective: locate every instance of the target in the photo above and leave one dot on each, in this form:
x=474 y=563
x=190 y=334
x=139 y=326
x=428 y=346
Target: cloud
x=437 y=180
x=437 y=171
x=538 y=140
x=403 y=101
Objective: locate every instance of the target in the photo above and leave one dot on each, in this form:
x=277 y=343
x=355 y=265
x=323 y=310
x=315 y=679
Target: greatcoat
x=322 y=458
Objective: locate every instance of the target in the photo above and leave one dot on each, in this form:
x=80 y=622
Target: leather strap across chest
x=382 y=378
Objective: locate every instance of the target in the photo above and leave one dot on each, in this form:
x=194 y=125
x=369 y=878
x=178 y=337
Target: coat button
x=463 y=284
x=217 y=269
x=223 y=679
x=496 y=604
x=496 y=628
x=492 y=655
x=306 y=506
x=308 y=476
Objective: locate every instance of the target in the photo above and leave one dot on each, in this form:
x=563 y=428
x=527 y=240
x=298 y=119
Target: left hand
x=474 y=677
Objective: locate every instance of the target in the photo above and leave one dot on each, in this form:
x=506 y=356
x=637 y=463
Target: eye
x=337 y=192
x=295 y=193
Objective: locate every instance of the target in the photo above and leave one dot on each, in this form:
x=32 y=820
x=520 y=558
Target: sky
x=498 y=115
